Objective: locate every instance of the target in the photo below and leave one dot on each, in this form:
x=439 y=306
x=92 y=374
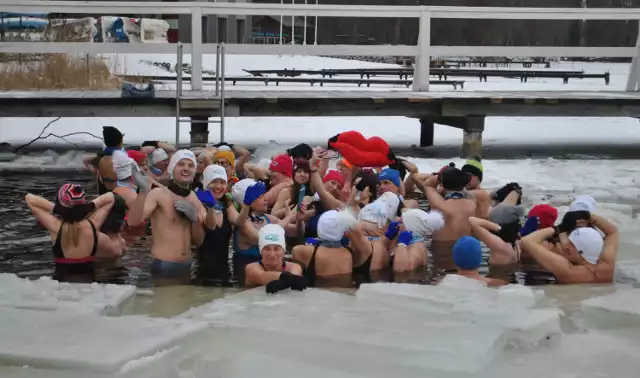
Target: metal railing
x=218 y=92
x=422 y=51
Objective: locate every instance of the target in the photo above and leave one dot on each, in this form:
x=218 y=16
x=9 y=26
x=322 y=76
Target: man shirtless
x=456 y=206
x=177 y=216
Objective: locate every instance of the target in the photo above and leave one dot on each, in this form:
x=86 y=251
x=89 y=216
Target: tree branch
x=39 y=137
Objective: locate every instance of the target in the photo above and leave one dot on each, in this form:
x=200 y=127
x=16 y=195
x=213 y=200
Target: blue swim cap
x=467 y=253
x=390 y=174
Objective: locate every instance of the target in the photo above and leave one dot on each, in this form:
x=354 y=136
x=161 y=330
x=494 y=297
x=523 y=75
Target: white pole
x=315 y=41
x=304 y=39
x=293 y=26
x=281 y=19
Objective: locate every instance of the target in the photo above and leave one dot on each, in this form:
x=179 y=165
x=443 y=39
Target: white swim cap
x=271 y=234
x=588 y=242
x=264 y=164
x=157 y=156
x=240 y=188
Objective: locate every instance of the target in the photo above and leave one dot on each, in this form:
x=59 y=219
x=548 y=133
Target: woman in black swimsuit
x=74 y=230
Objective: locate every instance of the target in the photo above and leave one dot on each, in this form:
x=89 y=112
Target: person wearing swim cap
x=213 y=254
x=272 y=270
x=177 y=217
x=475 y=168
x=456 y=206
x=467 y=256
x=73 y=223
x=250 y=194
x=588 y=257
x=280 y=178
x=328 y=259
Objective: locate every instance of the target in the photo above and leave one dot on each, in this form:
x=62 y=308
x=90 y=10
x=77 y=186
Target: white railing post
x=423 y=60
x=633 y=80
x=196 y=49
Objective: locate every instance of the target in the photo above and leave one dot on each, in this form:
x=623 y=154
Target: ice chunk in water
x=345 y=329
x=48 y=294
x=82 y=341
x=619 y=309
x=508 y=307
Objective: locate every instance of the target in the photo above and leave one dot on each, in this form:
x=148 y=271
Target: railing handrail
x=422 y=51
x=320 y=10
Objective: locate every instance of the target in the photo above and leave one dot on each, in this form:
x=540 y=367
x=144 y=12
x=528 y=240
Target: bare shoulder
x=294 y=268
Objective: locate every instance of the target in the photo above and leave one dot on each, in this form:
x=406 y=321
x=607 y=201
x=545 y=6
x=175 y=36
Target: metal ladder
x=219 y=91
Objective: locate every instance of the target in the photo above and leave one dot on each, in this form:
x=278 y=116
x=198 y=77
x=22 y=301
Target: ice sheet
x=619 y=309
x=466 y=300
x=318 y=322
x=47 y=294
x=83 y=341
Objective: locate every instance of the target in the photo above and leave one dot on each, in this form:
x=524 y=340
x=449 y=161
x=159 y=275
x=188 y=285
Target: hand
x=405 y=237
x=187 y=209
x=206 y=198
x=254 y=192
x=392 y=230
x=301 y=213
x=141 y=180
x=312 y=241
x=276 y=286
x=530 y=226
x=297 y=283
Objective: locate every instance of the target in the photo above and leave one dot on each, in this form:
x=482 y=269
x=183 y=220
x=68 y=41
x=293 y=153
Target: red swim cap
x=138 y=156
x=335 y=176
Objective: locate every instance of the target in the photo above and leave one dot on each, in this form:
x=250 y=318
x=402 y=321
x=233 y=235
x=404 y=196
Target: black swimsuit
x=73 y=266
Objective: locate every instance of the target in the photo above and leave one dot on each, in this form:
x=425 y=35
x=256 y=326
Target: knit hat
x=271 y=234
x=506 y=214
x=213 y=172
x=179 y=155
x=474 y=167
x=228 y=156
x=547 y=215
x=333 y=224
x=467 y=253
x=282 y=164
x=392 y=175
x=112 y=136
x=588 y=242
x=70 y=195
x=303 y=151
x=334 y=175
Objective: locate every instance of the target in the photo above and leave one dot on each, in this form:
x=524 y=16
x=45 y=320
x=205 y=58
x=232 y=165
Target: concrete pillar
x=426 y=132
x=472 y=136
x=248 y=29
x=199 y=131
x=210 y=29
x=232 y=29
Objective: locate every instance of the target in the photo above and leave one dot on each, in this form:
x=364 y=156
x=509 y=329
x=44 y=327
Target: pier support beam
x=199 y=131
x=472 y=136
x=426 y=132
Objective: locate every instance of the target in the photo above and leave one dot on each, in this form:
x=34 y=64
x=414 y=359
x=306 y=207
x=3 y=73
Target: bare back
x=106 y=173
x=456 y=214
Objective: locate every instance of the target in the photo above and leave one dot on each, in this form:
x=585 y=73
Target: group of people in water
x=292 y=222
